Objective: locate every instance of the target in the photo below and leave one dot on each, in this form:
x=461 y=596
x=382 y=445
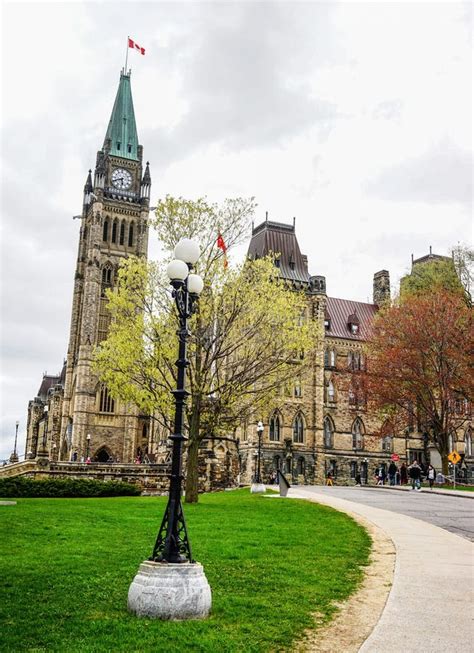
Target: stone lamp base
x=256 y=488
x=168 y=591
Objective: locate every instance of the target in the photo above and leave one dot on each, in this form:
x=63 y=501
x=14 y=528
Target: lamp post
x=88 y=438
x=257 y=485
x=14 y=456
x=170 y=584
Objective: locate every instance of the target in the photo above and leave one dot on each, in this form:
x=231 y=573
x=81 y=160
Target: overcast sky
x=354 y=117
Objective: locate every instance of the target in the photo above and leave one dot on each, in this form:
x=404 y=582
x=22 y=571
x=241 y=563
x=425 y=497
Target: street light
x=171 y=585
x=14 y=456
x=257 y=485
x=88 y=438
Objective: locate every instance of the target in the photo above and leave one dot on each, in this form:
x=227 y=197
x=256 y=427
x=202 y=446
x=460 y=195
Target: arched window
x=145 y=431
x=130 y=234
x=104 y=314
x=300 y=466
x=297 y=389
x=353 y=469
x=328 y=428
x=468 y=442
x=114 y=231
x=358 y=434
x=332 y=358
x=275 y=428
x=122 y=233
x=106 y=278
x=298 y=429
x=106 y=403
x=105 y=231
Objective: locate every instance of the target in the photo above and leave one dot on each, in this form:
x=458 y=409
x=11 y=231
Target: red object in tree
x=135 y=46
x=221 y=245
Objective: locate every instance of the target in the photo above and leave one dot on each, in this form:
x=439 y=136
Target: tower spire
x=121 y=138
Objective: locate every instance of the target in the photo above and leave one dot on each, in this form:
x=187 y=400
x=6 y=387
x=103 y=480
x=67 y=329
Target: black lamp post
x=257 y=485
x=88 y=439
x=172 y=544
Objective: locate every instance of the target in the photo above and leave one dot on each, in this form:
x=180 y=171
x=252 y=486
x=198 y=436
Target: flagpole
x=126 y=57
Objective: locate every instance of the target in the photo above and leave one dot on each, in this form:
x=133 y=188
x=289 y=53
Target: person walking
x=329 y=480
x=415 y=474
x=403 y=474
x=392 y=472
x=431 y=475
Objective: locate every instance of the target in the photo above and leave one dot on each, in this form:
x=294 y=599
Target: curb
x=441 y=493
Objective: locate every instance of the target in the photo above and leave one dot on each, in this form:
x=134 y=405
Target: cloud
x=442 y=175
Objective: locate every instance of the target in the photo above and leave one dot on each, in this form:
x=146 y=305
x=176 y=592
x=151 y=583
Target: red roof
x=341 y=312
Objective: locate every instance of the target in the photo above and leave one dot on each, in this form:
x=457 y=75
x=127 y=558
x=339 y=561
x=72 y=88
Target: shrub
x=22 y=486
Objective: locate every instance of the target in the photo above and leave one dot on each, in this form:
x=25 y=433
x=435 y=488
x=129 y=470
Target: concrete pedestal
x=162 y=590
x=257 y=488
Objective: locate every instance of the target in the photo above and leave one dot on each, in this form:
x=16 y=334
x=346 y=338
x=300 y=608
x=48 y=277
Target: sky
x=355 y=118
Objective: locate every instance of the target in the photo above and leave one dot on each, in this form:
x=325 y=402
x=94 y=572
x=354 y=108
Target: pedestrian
x=392 y=471
x=415 y=474
x=403 y=474
x=329 y=480
x=357 y=479
x=431 y=475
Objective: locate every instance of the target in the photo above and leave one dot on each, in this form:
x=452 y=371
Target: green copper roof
x=122 y=129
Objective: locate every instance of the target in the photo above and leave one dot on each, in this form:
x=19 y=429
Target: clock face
x=121 y=178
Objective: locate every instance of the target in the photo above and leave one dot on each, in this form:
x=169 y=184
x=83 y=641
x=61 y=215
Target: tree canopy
x=420 y=361
x=248 y=337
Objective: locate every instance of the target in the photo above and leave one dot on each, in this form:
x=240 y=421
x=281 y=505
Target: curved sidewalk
x=430 y=605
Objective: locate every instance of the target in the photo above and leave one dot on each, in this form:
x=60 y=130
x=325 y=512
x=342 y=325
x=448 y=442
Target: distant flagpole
x=126 y=54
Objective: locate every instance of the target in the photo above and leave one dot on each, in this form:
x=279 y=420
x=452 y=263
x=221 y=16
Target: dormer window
x=327 y=324
x=129 y=149
x=277 y=262
x=353 y=324
x=118 y=145
x=291 y=264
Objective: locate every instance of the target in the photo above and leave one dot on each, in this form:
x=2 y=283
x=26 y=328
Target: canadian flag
x=222 y=246
x=135 y=46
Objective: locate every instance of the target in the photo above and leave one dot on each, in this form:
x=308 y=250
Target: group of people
x=413 y=472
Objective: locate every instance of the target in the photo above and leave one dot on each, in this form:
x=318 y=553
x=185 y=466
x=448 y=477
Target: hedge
x=22 y=486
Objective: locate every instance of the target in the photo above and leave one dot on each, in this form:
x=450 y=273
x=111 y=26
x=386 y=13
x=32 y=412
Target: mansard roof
x=342 y=312
x=49 y=381
x=122 y=130
x=279 y=238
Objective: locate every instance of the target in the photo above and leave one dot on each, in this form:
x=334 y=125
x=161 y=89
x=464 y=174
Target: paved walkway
x=430 y=605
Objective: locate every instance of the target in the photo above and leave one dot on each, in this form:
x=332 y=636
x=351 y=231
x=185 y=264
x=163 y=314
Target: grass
x=464 y=488
x=66 y=565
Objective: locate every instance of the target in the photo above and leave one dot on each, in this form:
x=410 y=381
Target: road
x=454 y=514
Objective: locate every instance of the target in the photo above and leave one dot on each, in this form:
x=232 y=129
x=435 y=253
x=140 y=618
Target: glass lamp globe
x=187 y=250
x=260 y=426
x=195 y=284
x=177 y=270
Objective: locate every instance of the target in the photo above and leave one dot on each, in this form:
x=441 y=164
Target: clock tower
x=114 y=225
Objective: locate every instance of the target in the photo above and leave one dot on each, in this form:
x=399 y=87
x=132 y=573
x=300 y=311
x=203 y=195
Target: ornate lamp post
x=257 y=485
x=14 y=455
x=171 y=585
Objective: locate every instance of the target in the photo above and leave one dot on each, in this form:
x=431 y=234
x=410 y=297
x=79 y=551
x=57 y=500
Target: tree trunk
x=445 y=464
x=192 y=471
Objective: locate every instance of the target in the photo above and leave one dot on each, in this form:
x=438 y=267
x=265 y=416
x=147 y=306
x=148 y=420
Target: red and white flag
x=135 y=46
x=222 y=246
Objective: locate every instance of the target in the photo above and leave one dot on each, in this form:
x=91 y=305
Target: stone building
x=74 y=416
x=320 y=424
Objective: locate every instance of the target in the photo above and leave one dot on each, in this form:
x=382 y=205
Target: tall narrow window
x=353 y=469
x=298 y=429
x=105 y=231
x=331 y=392
x=326 y=358
x=104 y=314
x=275 y=428
x=114 y=231
x=106 y=403
x=300 y=466
x=328 y=428
x=130 y=234
x=357 y=434
x=298 y=393
x=468 y=442
x=122 y=232
x=332 y=358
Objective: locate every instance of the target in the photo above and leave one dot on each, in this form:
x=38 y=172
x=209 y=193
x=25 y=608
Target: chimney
x=381 y=288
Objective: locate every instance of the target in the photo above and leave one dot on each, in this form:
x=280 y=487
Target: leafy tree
x=420 y=361
x=246 y=337
x=429 y=276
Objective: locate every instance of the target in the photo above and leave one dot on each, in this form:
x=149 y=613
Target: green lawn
x=66 y=565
